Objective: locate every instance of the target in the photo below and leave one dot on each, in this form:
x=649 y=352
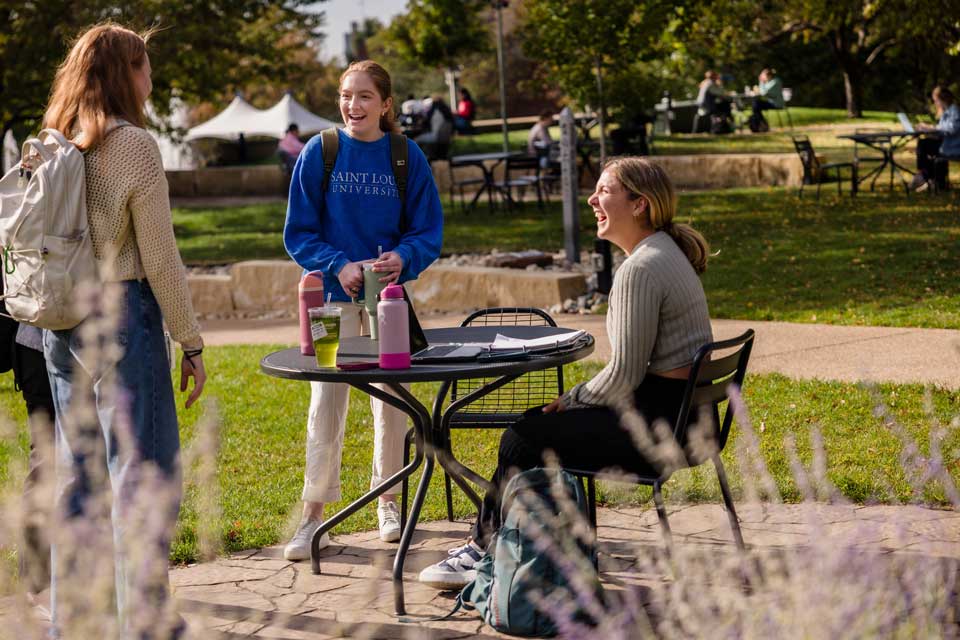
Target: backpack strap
x=398 y=161
x=330 y=144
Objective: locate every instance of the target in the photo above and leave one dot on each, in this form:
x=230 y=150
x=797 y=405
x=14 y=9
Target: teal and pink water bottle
x=311 y=295
x=393 y=323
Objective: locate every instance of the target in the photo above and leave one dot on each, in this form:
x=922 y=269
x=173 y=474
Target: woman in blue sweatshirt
x=335 y=232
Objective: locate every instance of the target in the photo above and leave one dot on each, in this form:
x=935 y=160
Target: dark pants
x=30 y=376
x=927 y=151
x=585 y=439
x=760 y=105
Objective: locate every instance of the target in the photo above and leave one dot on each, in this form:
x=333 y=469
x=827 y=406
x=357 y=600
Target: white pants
x=327 y=419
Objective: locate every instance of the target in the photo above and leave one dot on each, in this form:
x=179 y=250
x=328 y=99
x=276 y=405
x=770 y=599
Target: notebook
x=905 y=122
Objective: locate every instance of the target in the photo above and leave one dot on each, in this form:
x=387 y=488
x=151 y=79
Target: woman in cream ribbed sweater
x=656 y=322
x=97 y=99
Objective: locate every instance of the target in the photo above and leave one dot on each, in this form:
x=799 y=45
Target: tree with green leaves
x=858 y=33
x=592 y=46
x=199 y=51
x=440 y=33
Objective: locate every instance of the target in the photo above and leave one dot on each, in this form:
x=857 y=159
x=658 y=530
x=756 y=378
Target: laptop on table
x=905 y=122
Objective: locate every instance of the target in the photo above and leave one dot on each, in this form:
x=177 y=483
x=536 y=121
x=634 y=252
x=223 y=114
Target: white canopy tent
x=237 y=118
x=240 y=117
x=274 y=121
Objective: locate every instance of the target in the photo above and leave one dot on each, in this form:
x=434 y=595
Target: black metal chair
x=521 y=173
x=816 y=172
x=708 y=387
x=502 y=407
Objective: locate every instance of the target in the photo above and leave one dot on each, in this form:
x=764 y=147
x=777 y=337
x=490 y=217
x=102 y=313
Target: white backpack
x=44 y=234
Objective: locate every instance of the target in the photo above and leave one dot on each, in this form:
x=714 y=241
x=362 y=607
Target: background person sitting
x=714 y=103
x=539 y=139
x=769 y=96
x=946 y=147
x=466 y=112
x=411 y=115
x=290 y=147
x=435 y=141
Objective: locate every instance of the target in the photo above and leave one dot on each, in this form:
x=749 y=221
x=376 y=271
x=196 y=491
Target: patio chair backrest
x=709 y=385
x=811 y=165
x=505 y=405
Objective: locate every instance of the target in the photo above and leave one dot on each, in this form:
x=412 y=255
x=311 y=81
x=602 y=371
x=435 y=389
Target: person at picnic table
x=290 y=147
x=336 y=231
x=466 y=112
x=539 y=139
x=769 y=95
x=657 y=320
x=712 y=100
x=946 y=145
x=120 y=394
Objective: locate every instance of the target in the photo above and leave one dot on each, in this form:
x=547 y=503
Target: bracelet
x=189 y=355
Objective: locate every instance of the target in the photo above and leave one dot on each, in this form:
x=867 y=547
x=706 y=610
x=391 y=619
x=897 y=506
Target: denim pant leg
x=136 y=419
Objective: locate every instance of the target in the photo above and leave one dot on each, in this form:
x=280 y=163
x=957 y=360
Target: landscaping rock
x=265 y=285
x=211 y=294
x=519 y=259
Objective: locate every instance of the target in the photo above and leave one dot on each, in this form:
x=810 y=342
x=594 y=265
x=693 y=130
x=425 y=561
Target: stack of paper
x=546 y=343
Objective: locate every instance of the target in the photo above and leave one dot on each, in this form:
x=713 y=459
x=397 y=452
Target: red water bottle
x=311 y=295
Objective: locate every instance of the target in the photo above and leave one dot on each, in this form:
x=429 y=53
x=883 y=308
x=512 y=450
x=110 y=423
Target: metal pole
x=499 y=4
x=603 y=131
x=569 y=179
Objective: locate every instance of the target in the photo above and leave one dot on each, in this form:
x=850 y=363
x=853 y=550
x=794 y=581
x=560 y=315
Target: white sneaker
x=299 y=546
x=388 y=520
x=456 y=571
x=919 y=179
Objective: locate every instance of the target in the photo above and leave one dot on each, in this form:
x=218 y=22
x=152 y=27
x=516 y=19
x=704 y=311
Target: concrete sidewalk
x=802 y=351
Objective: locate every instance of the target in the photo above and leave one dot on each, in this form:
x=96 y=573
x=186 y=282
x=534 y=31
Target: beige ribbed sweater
x=128 y=206
x=656 y=321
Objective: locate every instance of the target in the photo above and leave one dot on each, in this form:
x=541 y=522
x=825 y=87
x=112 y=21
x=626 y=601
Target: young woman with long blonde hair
x=123 y=395
x=656 y=321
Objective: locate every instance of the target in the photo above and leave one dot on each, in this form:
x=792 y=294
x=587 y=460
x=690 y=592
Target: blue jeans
x=133 y=436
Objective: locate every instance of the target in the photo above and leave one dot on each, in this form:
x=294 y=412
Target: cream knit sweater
x=128 y=206
x=657 y=320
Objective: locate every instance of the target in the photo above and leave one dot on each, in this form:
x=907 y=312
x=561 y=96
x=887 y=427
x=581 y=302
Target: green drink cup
x=371 y=289
x=325 y=331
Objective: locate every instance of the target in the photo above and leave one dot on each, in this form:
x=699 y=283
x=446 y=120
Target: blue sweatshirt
x=361 y=210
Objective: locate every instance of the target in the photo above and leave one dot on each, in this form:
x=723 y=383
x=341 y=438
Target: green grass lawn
x=812 y=121
x=879 y=259
x=262 y=422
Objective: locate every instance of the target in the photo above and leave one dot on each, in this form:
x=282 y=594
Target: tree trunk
x=841 y=43
x=853 y=88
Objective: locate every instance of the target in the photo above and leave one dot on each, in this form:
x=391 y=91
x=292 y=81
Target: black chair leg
x=728 y=502
x=662 y=514
x=448 y=488
x=592 y=501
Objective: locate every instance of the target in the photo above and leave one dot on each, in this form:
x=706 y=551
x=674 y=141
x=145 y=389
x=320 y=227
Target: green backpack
x=514 y=565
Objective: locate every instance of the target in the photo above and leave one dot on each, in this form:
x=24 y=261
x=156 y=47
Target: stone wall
x=256 y=180
x=270 y=286
x=713 y=171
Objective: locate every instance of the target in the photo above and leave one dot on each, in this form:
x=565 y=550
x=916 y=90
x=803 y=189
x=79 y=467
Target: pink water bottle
x=393 y=325
x=311 y=295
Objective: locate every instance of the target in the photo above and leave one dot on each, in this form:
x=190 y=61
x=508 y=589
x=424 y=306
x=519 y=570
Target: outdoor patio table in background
x=290 y=364
x=887 y=143
x=488 y=162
